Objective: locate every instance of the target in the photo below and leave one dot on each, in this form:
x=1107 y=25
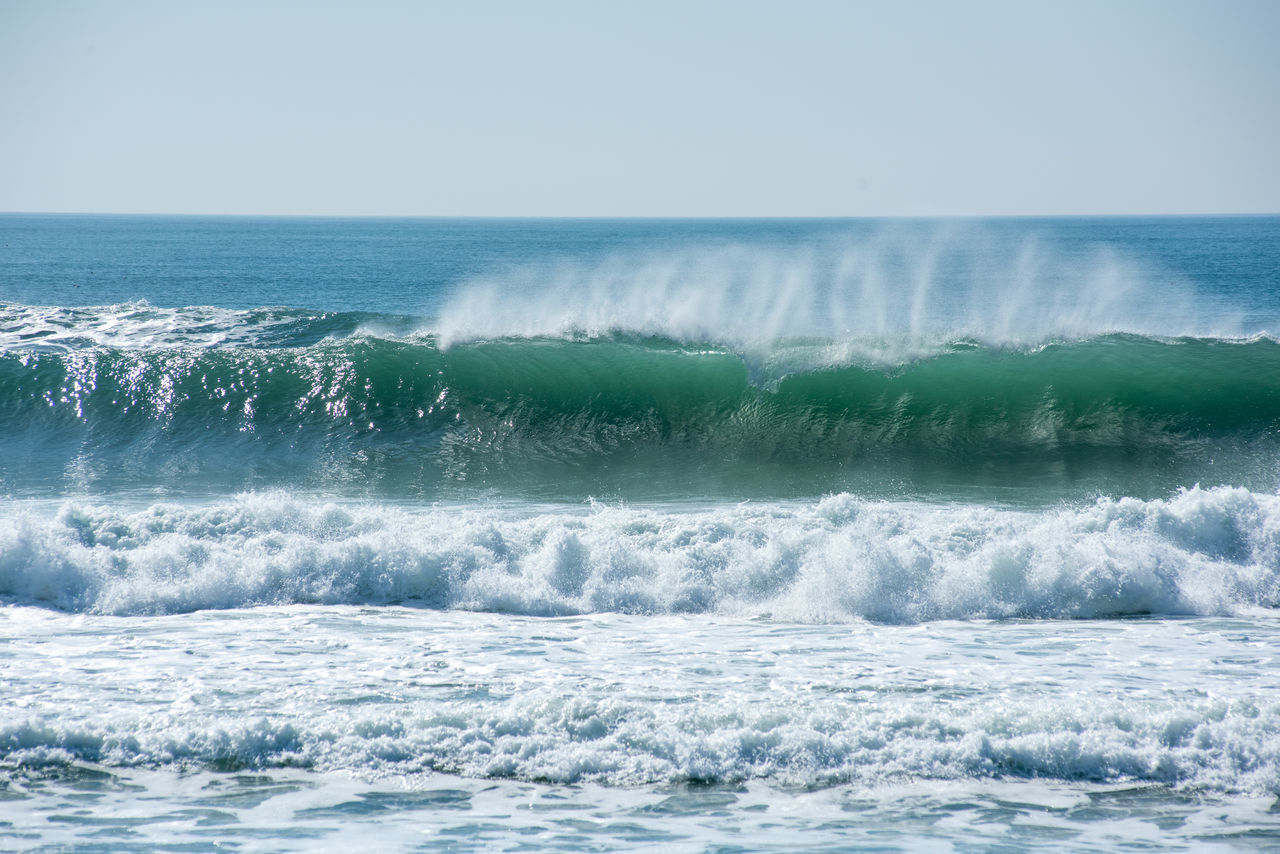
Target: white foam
x=642 y=700
x=1214 y=551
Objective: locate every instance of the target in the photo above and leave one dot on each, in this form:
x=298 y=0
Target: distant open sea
x=691 y=535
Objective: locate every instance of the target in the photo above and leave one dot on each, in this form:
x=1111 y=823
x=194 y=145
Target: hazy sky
x=643 y=108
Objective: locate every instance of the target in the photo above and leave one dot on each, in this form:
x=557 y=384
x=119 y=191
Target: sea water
x=601 y=535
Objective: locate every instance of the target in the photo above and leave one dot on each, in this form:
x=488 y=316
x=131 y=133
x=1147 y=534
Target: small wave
x=141 y=326
x=1200 y=552
x=791 y=739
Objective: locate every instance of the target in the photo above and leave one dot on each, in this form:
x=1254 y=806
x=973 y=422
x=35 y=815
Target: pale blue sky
x=640 y=109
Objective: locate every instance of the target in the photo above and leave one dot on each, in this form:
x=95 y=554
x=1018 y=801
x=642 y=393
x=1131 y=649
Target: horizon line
x=652 y=217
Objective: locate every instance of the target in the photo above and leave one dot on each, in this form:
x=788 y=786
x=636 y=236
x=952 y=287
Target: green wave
x=621 y=415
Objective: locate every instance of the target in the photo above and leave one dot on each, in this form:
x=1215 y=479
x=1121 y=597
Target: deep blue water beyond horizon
x=405 y=264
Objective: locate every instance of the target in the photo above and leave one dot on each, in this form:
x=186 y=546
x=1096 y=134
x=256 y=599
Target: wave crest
x=907 y=291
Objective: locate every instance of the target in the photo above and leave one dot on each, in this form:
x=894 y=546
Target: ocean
x=682 y=535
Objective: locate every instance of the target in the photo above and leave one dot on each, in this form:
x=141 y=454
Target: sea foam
x=1201 y=551
x=633 y=701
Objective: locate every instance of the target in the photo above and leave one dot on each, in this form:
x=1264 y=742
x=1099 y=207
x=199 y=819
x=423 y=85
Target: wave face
x=214 y=400
x=1203 y=552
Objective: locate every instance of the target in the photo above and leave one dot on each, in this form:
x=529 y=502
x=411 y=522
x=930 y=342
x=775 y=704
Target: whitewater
x=622 y=535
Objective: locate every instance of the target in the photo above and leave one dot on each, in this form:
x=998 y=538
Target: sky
x=964 y=108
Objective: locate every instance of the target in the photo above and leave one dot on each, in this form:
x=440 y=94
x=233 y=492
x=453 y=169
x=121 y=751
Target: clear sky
x=970 y=107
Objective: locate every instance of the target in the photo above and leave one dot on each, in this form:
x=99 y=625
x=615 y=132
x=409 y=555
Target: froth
x=625 y=741
x=1200 y=552
x=627 y=700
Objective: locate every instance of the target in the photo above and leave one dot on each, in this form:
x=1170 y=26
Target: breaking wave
x=283 y=399
x=1205 y=552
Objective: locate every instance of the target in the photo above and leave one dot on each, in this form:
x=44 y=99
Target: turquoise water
x=708 y=535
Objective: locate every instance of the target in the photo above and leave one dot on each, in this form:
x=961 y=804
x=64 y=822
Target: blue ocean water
x=592 y=534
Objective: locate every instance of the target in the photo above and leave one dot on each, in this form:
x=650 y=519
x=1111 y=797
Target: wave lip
x=1205 y=552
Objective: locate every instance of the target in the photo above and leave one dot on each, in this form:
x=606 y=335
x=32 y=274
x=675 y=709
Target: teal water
x=627 y=417
x=713 y=535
